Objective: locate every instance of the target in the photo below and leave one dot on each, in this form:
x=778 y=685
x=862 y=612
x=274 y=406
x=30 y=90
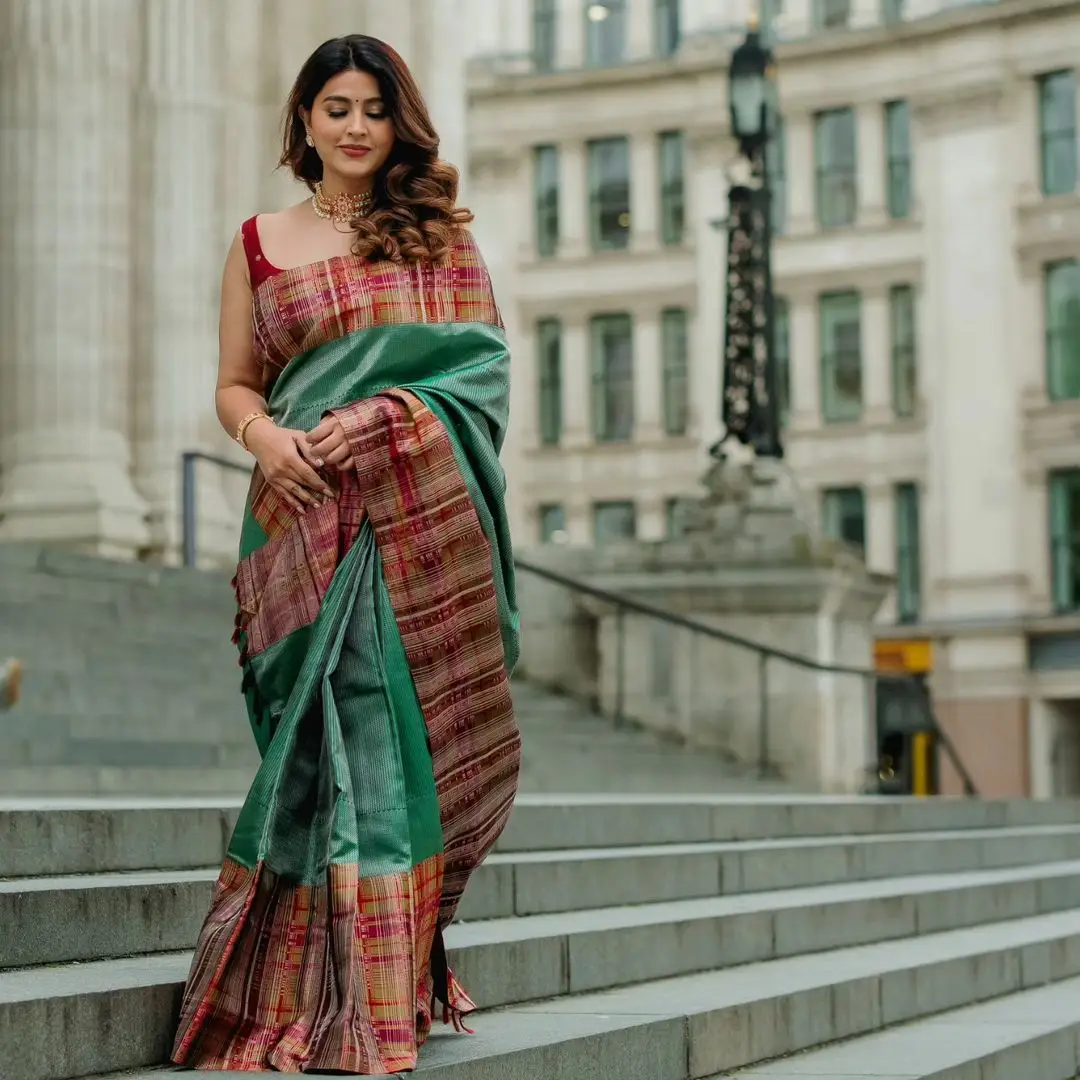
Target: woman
x=364 y=366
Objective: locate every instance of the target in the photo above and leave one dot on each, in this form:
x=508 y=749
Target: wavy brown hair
x=415 y=214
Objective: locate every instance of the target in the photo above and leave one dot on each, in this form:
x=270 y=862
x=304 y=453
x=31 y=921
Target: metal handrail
x=622 y=605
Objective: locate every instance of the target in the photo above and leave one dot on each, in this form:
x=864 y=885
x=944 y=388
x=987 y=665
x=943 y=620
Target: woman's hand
x=288 y=464
x=327 y=444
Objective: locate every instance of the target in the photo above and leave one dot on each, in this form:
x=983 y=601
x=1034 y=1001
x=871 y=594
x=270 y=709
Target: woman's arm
x=239 y=383
x=283 y=455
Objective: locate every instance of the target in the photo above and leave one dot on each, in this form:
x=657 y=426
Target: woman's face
x=352 y=132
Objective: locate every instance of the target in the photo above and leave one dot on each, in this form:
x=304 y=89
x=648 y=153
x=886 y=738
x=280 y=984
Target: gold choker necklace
x=341 y=209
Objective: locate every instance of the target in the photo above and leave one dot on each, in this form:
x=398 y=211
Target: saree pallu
x=377 y=634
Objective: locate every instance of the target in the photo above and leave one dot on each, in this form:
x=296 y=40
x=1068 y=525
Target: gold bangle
x=241 y=428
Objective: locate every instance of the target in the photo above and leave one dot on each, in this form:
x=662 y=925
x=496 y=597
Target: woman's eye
x=376 y=116
x=337 y=115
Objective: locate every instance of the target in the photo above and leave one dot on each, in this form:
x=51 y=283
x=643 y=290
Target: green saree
x=377 y=634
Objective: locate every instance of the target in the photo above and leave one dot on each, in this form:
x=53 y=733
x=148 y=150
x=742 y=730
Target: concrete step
x=59 y=1023
x=1032 y=1035
x=65 y=836
x=48 y=920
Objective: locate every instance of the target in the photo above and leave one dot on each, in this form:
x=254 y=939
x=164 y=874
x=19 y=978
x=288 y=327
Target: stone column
x=639 y=29
x=799 y=133
x=806 y=363
x=870 y=155
x=570 y=29
x=576 y=383
x=876 y=357
x=974 y=478
x=644 y=192
x=179 y=119
x=648 y=378
x=66 y=76
x=573 y=201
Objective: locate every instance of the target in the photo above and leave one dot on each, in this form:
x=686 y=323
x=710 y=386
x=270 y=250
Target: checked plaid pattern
x=265 y=990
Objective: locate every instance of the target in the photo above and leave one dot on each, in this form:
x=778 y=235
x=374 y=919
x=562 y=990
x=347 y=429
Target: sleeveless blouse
x=299 y=308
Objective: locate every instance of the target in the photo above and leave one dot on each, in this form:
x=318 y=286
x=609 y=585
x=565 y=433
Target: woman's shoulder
x=464 y=249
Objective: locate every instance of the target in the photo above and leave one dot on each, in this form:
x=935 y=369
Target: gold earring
x=310 y=140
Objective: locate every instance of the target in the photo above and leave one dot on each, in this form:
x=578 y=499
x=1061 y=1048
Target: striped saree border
x=438 y=568
x=265 y=990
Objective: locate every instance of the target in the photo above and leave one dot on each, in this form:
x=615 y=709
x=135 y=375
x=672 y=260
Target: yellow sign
x=907 y=657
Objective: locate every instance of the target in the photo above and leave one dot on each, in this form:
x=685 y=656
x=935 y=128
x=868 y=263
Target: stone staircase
x=132 y=687
x=610 y=938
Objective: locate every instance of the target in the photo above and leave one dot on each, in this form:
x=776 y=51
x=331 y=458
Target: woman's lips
x=356 y=151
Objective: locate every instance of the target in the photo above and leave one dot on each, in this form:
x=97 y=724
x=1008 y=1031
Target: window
x=834 y=152
x=831 y=14
x=614 y=521
x=782 y=356
x=1057 y=132
x=776 y=161
x=1065 y=539
x=552 y=524
x=843 y=512
x=546 y=195
x=549 y=362
x=902 y=339
x=666 y=31
x=672 y=188
x=908 y=582
x=609 y=194
x=898 y=158
x=841 y=357
x=675 y=359
x=772 y=14
x=612 y=356
x=605 y=32
x=892 y=12
x=676 y=513
x=545 y=34
x=1062 y=303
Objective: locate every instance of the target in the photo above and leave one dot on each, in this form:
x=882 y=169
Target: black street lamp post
x=751 y=412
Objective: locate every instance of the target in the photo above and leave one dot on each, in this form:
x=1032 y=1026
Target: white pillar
x=799 y=136
x=648 y=378
x=975 y=470
x=870 y=155
x=573 y=201
x=570 y=33
x=576 y=383
x=639 y=37
x=66 y=77
x=644 y=192
x=881 y=530
x=180 y=109
x=805 y=362
x=876 y=357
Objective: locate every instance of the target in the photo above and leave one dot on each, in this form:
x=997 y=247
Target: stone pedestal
x=751 y=568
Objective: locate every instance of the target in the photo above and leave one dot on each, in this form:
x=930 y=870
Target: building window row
x=609 y=180
x=605 y=31
x=841 y=346
x=612 y=520
x=611 y=366
x=843 y=518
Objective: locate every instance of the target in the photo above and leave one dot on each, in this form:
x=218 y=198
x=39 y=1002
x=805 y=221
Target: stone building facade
x=135 y=136
x=927 y=266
